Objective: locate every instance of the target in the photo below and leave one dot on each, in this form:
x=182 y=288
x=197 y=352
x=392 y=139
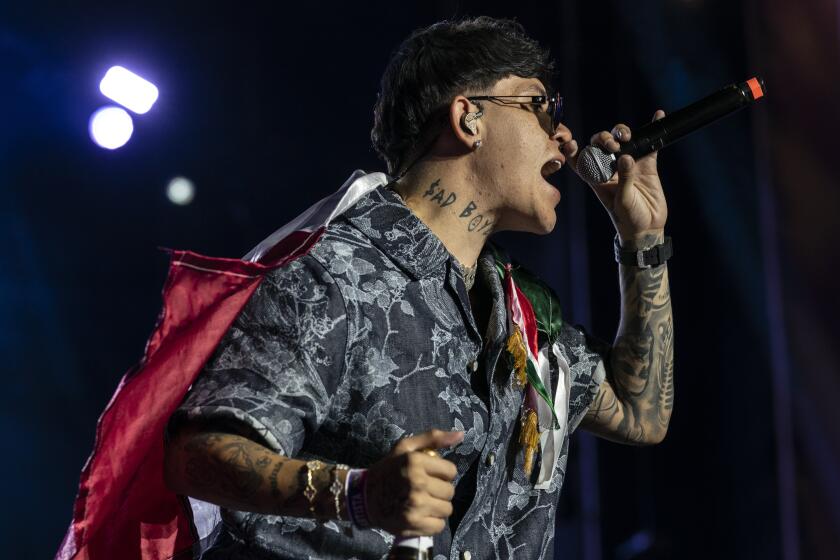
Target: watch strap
x=644 y=258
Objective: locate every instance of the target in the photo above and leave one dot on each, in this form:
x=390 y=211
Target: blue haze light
x=128 y=89
x=110 y=127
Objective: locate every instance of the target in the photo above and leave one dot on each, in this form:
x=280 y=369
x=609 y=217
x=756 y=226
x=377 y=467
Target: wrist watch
x=644 y=258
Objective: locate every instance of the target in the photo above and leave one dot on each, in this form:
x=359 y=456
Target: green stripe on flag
x=538 y=386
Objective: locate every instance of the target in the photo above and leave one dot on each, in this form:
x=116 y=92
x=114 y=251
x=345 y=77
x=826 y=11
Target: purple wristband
x=356 y=498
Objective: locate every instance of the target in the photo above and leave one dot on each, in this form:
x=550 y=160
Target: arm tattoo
x=239 y=473
x=637 y=405
x=272 y=477
x=235 y=469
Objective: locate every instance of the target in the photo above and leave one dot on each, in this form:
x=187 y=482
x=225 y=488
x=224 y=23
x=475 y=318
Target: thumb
x=433 y=439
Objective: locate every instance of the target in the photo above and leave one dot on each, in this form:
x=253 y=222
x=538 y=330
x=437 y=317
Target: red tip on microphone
x=755 y=88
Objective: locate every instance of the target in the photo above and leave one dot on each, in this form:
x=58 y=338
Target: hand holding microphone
x=633 y=195
x=598 y=165
x=620 y=166
x=409 y=492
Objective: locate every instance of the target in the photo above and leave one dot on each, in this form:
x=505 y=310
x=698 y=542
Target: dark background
x=268 y=107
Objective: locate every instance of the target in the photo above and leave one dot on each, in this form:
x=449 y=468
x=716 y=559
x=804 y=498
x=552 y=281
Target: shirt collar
x=488 y=274
x=394 y=229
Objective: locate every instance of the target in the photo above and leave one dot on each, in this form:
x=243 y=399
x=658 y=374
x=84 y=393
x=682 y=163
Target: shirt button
x=491 y=458
x=474 y=366
x=466 y=555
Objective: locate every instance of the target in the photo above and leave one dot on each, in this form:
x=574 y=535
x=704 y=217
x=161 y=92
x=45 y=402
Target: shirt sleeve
x=586 y=357
x=279 y=364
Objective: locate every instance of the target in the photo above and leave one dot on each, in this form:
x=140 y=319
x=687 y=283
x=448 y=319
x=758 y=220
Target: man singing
x=402 y=377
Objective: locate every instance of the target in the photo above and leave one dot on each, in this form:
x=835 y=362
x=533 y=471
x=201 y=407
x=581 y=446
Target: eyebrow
x=532 y=87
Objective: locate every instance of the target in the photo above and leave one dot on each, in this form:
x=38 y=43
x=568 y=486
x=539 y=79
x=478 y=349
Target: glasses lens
x=555 y=109
x=544 y=114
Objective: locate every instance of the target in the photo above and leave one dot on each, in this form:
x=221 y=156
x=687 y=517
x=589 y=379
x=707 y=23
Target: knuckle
x=418 y=483
x=414 y=470
x=452 y=470
x=414 y=501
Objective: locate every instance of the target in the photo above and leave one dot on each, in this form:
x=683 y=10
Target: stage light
x=128 y=89
x=180 y=191
x=110 y=127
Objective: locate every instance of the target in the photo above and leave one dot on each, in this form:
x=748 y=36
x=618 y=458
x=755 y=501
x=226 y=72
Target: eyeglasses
x=551 y=106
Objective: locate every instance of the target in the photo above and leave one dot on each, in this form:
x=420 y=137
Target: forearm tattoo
x=232 y=468
x=236 y=472
x=641 y=363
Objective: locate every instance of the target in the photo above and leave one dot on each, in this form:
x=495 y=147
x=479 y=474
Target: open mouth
x=551 y=167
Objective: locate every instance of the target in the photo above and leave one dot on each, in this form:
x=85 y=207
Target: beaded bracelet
x=356 y=499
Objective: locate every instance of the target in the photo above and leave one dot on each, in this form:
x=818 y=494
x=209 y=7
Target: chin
x=540 y=224
x=546 y=224
x=545 y=217
x=537 y=215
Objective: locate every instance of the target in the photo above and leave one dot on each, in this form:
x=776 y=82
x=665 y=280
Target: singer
x=403 y=376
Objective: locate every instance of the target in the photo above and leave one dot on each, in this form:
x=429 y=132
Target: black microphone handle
x=596 y=165
x=657 y=134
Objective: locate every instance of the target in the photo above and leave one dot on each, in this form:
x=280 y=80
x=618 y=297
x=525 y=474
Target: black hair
x=438 y=62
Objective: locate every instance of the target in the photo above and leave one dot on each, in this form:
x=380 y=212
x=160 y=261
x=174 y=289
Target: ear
x=459 y=109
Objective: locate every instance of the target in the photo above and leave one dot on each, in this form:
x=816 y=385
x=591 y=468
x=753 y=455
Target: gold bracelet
x=337 y=488
x=310 y=491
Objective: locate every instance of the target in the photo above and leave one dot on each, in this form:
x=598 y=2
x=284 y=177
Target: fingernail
x=616 y=132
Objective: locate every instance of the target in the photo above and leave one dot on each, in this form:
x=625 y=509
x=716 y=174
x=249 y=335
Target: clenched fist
x=409 y=492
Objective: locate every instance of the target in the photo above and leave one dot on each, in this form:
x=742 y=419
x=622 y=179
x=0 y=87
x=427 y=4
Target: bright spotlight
x=180 y=191
x=110 y=127
x=128 y=89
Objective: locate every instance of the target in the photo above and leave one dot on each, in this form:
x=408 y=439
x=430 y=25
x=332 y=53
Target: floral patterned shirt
x=365 y=340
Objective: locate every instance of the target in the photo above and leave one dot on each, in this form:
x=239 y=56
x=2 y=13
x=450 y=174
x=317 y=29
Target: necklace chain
x=469 y=275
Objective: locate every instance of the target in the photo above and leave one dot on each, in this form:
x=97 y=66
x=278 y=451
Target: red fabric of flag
x=123 y=510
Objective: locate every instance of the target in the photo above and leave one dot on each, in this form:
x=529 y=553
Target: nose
x=562 y=134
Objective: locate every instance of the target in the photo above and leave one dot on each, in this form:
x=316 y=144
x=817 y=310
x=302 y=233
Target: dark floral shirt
x=365 y=340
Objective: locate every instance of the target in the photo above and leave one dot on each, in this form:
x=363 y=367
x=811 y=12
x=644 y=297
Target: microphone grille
x=594 y=165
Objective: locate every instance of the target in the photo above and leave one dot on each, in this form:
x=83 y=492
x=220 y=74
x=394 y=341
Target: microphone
x=417 y=548
x=596 y=165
